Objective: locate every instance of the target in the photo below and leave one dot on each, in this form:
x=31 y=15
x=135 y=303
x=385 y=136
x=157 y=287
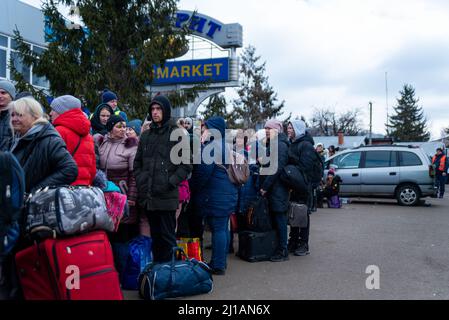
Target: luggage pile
x=71 y=258
x=257 y=240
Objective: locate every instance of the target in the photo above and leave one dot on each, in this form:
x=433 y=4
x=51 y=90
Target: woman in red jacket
x=74 y=128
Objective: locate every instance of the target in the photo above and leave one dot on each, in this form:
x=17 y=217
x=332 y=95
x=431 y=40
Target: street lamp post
x=370 y=123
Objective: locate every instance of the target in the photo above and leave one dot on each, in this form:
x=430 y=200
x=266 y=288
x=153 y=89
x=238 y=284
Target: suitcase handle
x=43 y=228
x=175 y=251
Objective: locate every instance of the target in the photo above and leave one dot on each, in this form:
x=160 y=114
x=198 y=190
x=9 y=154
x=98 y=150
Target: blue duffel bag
x=178 y=278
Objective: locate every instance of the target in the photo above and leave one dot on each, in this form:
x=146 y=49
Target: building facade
x=29 y=20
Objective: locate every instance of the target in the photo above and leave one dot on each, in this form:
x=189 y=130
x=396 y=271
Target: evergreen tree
x=217 y=107
x=116 y=48
x=409 y=123
x=257 y=99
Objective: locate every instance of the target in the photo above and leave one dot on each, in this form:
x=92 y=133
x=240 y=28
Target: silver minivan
x=402 y=172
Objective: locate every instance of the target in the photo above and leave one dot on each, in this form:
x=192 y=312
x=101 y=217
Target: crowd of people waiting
x=69 y=148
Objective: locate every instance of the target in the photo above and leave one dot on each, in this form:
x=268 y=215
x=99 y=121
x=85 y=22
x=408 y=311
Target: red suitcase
x=76 y=268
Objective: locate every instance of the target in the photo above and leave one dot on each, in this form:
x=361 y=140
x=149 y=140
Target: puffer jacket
x=214 y=195
x=301 y=153
x=117 y=161
x=74 y=128
x=277 y=192
x=5 y=130
x=44 y=158
x=157 y=177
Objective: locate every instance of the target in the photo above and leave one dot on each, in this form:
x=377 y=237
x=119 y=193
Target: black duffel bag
x=294 y=178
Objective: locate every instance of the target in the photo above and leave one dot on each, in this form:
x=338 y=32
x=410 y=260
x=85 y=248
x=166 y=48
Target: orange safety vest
x=442 y=166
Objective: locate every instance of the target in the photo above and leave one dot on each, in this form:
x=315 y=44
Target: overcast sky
x=335 y=53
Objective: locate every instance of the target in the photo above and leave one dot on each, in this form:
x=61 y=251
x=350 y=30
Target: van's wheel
x=408 y=195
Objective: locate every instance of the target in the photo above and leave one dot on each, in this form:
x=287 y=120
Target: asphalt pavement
x=408 y=246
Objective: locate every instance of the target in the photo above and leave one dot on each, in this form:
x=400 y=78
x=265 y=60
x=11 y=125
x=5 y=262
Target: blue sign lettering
x=181 y=18
x=191 y=71
x=213 y=28
x=198 y=24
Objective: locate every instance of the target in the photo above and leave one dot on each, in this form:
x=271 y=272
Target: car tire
x=408 y=195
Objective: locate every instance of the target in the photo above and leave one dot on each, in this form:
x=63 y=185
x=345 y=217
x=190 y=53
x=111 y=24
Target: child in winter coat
x=331 y=187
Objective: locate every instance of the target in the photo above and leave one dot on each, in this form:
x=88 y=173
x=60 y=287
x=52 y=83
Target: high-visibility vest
x=442 y=165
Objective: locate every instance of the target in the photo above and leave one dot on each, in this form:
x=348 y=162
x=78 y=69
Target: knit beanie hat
x=275 y=124
x=8 y=87
x=65 y=103
x=113 y=120
x=108 y=96
x=136 y=125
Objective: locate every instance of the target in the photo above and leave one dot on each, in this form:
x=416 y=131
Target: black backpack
x=317 y=170
x=12 y=190
x=294 y=178
x=258 y=217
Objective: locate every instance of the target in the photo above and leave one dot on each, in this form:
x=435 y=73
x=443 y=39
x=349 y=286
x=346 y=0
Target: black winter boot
x=279 y=256
x=302 y=250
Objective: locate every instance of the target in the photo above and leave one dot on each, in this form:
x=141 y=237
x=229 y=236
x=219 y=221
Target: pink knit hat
x=275 y=124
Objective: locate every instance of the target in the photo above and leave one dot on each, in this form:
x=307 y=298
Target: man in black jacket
x=302 y=154
x=7 y=94
x=158 y=178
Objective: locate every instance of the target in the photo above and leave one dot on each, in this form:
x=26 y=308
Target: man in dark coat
x=7 y=94
x=301 y=154
x=274 y=189
x=158 y=178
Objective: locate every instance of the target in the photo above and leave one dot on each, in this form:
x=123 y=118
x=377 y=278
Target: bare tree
x=325 y=122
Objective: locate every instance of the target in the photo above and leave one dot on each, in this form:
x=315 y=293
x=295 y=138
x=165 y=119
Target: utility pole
x=370 y=123
x=386 y=94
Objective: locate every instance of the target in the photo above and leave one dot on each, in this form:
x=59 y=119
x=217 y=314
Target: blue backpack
x=12 y=190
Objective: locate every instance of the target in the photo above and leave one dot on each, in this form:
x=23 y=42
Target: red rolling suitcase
x=76 y=268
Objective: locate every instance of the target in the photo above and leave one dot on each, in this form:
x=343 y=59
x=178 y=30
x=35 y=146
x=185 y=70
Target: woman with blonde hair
x=180 y=123
x=39 y=148
x=46 y=162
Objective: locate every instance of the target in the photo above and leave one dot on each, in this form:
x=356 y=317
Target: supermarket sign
x=191 y=71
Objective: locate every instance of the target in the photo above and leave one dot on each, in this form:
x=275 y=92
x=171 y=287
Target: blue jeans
x=219 y=227
x=281 y=226
x=441 y=183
